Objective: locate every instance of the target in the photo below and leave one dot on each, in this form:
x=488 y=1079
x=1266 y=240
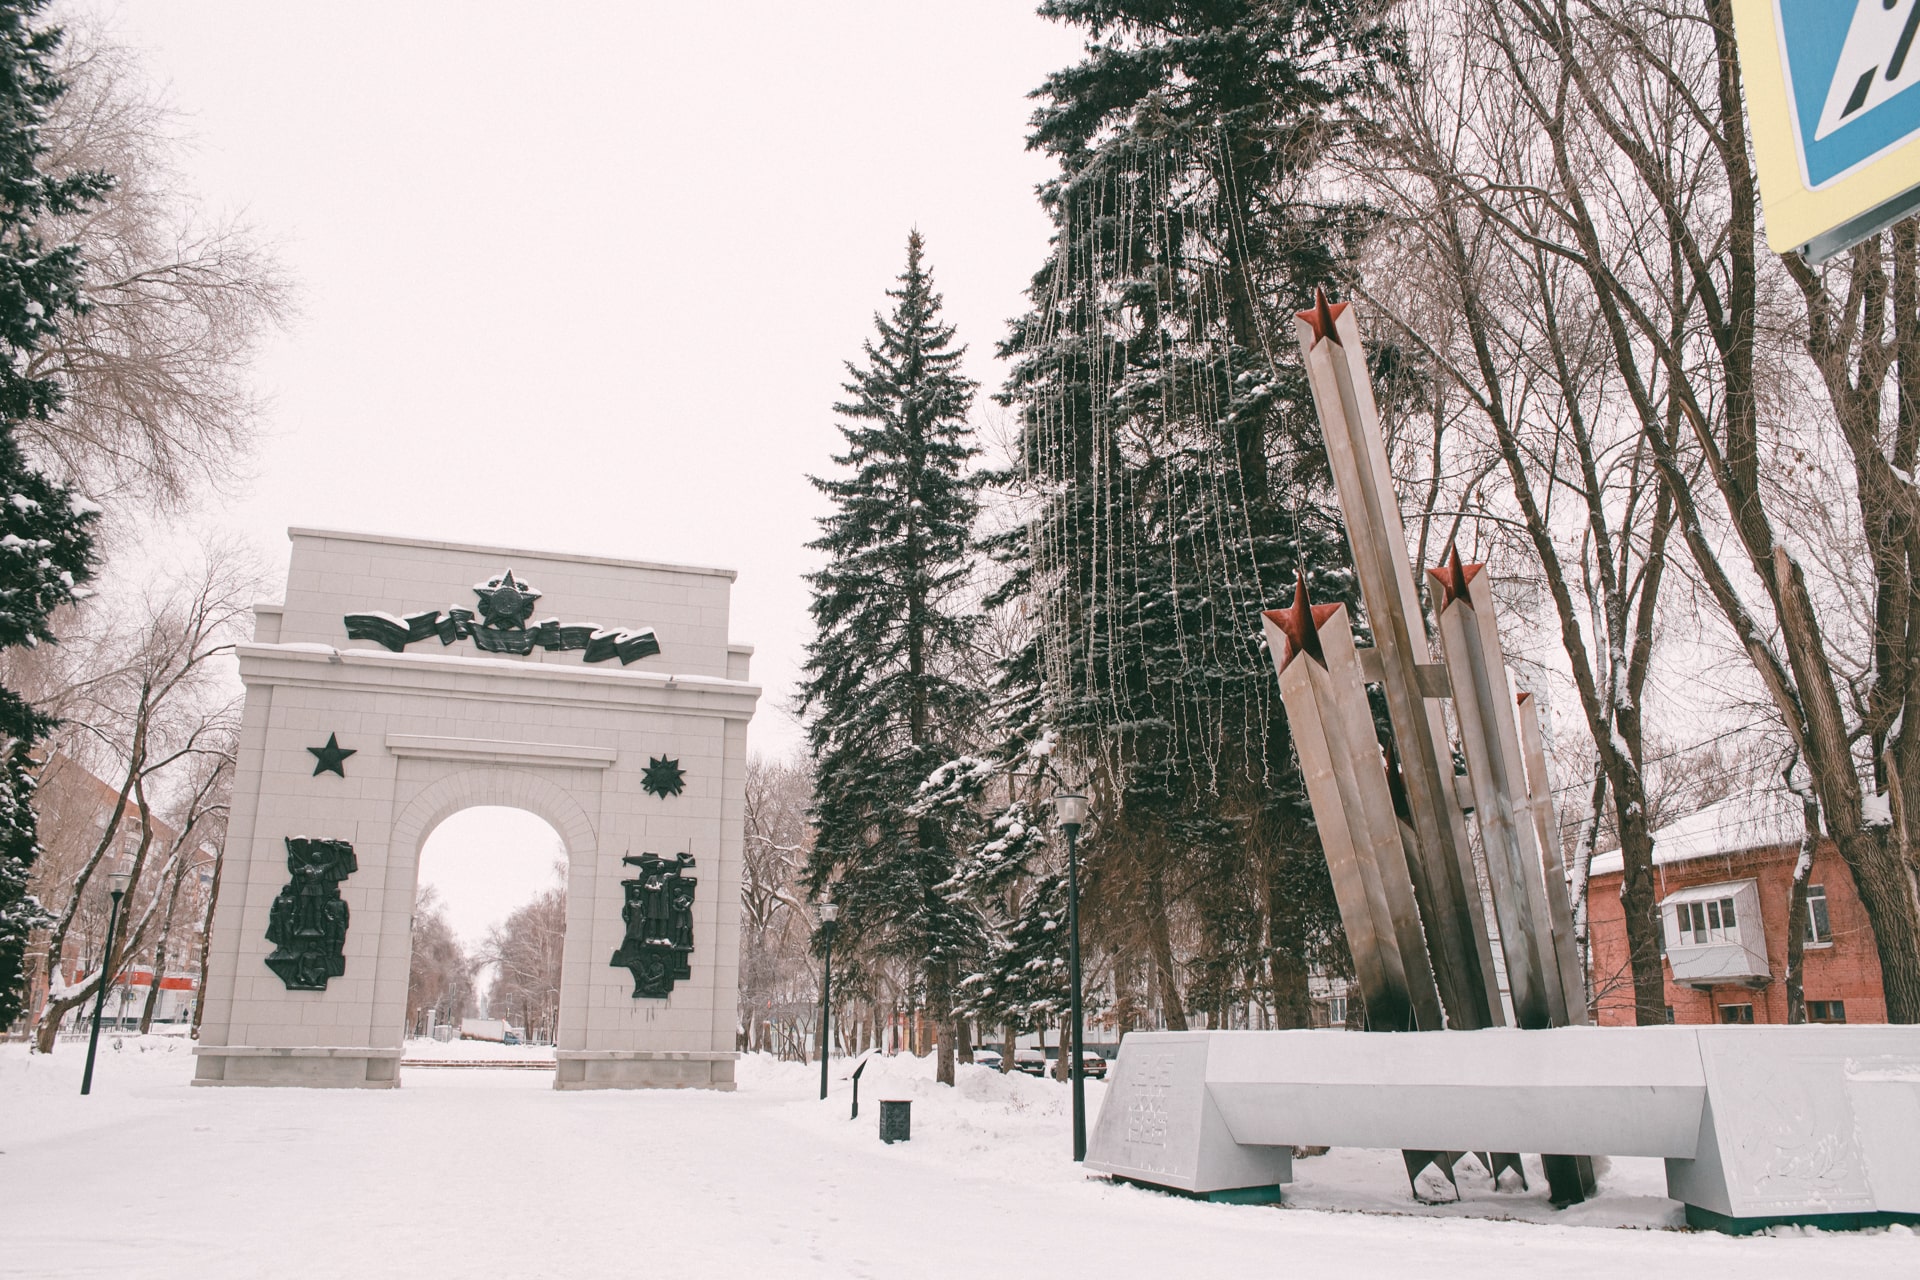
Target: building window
x=1736 y=1014
x=1826 y=1011
x=1669 y=1015
x=1336 y=1011
x=1819 y=928
x=1700 y=923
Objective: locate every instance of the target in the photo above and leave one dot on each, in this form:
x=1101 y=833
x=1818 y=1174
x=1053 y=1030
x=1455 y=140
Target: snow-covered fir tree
x=46 y=541
x=885 y=689
x=1169 y=448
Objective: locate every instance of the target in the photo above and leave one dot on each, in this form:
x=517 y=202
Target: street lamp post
x=1070 y=811
x=828 y=914
x=116 y=889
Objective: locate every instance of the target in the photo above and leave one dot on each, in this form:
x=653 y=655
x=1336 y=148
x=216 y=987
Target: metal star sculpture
x=1301 y=624
x=506 y=602
x=663 y=777
x=1321 y=317
x=332 y=757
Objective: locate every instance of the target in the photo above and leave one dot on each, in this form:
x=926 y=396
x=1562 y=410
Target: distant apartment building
x=73 y=808
x=1722 y=877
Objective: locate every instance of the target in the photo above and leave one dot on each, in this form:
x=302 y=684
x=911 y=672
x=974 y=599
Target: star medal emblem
x=331 y=758
x=506 y=602
x=663 y=777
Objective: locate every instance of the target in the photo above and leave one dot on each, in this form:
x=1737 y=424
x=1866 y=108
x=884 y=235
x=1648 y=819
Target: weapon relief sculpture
x=659 y=917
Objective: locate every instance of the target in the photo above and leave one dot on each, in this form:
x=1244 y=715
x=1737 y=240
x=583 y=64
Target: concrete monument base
x=1758 y=1125
x=311 y=1067
x=626 y=1069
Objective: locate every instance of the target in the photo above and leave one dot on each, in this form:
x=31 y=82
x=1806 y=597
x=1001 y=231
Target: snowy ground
x=481 y=1173
x=478 y=1051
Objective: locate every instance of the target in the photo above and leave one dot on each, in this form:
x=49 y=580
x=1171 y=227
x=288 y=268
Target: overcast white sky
x=582 y=276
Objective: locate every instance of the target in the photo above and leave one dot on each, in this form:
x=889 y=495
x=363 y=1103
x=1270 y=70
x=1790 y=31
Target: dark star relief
x=505 y=601
x=332 y=757
x=663 y=777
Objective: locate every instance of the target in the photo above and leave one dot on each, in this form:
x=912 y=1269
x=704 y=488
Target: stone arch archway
x=461 y=787
x=352 y=753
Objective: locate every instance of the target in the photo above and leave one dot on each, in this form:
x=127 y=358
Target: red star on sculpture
x=1453 y=577
x=1301 y=624
x=1321 y=315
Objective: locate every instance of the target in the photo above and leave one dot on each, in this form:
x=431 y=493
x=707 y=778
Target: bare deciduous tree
x=158 y=401
x=525 y=951
x=440 y=975
x=148 y=705
x=778 y=977
x=1607 y=166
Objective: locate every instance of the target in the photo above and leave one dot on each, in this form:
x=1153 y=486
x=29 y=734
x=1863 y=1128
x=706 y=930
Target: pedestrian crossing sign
x=1833 y=99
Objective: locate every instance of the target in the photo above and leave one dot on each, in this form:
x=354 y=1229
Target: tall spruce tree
x=1169 y=446
x=46 y=541
x=884 y=691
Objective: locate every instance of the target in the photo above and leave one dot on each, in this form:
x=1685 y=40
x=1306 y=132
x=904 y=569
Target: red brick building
x=1722 y=878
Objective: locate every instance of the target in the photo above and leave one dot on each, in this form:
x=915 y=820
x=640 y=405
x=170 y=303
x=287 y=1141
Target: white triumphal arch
x=401 y=681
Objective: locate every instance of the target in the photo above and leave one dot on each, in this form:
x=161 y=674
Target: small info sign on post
x=1835 y=113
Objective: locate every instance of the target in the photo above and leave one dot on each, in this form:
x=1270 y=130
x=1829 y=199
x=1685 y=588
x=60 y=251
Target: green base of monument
x=1707 y=1220
x=1232 y=1195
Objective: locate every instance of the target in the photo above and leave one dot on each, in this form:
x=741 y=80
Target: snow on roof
x=1742 y=821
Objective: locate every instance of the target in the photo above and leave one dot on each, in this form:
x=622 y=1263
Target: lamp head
x=829 y=912
x=1070 y=810
x=118 y=882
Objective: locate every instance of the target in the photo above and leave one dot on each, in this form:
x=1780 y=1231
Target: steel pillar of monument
x=1444 y=880
x=1490 y=741
x=1332 y=728
x=1546 y=829
x=1365 y=805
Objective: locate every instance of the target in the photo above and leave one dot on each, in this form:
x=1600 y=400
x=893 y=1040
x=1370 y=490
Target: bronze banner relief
x=307 y=922
x=500 y=626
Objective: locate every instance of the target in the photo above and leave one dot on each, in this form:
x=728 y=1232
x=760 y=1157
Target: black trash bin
x=896 y=1120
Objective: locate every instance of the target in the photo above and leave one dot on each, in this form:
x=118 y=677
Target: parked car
x=1031 y=1061
x=987 y=1058
x=1093 y=1066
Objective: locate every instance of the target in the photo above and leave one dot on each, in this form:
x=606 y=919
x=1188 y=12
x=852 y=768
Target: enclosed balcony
x=1714 y=936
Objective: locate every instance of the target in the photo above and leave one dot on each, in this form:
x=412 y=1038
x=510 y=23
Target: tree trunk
x=1797 y=935
x=963 y=1038
x=1160 y=939
x=206 y=939
x=57 y=938
x=160 y=948
x=1880 y=871
x=1638 y=894
x=1292 y=1004
x=153 y=986
x=1006 y=1049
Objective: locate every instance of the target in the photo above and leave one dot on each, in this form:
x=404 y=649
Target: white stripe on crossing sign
x=1878 y=61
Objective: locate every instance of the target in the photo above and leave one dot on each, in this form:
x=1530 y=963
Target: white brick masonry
x=437 y=729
